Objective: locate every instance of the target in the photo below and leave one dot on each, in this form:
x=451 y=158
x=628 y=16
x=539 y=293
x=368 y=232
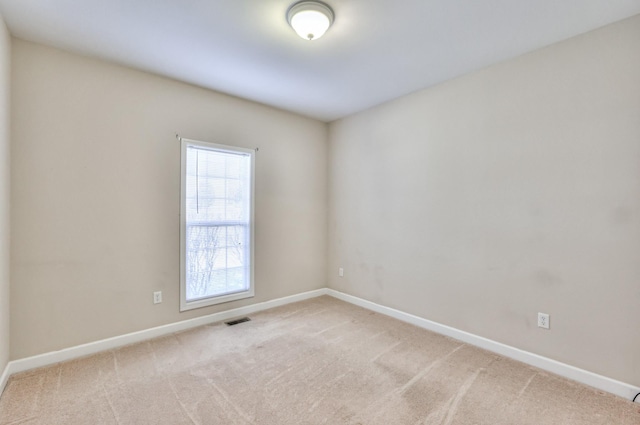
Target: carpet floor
x=320 y=361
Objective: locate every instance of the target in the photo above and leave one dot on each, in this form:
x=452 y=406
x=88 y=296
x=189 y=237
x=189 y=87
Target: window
x=216 y=224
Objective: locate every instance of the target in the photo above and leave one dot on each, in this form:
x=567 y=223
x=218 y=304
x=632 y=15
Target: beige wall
x=503 y=193
x=5 y=58
x=95 y=201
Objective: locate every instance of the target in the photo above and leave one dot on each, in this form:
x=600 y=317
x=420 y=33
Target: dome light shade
x=310 y=19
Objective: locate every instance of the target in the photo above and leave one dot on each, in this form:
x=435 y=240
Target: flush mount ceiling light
x=310 y=19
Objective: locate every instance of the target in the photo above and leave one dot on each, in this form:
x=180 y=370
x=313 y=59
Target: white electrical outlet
x=341 y=272
x=543 y=320
x=157 y=297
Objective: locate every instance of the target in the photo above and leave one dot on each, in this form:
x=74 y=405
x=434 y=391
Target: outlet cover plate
x=543 y=320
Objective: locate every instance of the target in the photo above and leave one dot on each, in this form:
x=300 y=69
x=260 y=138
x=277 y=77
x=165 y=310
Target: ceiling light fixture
x=310 y=19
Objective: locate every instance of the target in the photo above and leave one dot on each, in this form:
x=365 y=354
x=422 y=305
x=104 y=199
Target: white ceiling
x=376 y=50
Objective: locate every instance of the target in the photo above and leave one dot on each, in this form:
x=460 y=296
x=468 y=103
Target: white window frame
x=218 y=299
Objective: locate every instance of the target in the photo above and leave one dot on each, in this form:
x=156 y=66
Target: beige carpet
x=320 y=361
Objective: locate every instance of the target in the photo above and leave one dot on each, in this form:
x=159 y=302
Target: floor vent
x=235 y=322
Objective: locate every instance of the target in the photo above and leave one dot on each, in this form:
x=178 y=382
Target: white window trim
x=184 y=305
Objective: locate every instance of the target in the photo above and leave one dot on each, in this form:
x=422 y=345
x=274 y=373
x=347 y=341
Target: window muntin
x=216 y=224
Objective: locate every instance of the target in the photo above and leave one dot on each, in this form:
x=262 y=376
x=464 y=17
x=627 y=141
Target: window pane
x=216 y=260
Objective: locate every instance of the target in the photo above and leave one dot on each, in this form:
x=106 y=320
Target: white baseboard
x=603 y=383
x=131 y=338
x=4 y=378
